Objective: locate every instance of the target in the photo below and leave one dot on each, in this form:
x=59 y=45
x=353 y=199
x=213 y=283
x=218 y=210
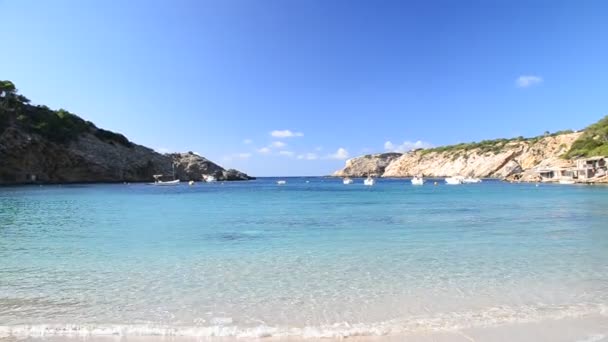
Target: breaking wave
x=226 y=328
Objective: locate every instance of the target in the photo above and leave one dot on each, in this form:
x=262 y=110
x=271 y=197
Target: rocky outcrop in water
x=371 y=164
x=499 y=159
x=191 y=166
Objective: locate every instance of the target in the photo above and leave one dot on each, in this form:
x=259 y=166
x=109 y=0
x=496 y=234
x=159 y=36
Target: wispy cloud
x=525 y=81
x=263 y=150
x=286 y=153
x=247 y=141
x=406 y=146
x=285 y=134
x=340 y=154
x=308 y=156
x=278 y=144
x=240 y=156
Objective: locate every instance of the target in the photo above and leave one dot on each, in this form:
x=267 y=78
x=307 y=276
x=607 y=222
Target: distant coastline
x=566 y=155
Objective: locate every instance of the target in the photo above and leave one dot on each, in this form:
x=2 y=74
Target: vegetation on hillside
x=492 y=146
x=594 y=142
x=59 y=126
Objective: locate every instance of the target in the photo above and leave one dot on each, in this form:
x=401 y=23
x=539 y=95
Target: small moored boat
x=456 y=180
x=209 y=178
x=567 y=181
x=369 y=181
x=418 y=180
x=471 y=180
x=281 y=182
x=347 y=181
x=158 y=182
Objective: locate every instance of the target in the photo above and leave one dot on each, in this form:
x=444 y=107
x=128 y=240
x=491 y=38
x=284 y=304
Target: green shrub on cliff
x=594 y=142
x=59 y=126
x=493 y=146
x=484 y=146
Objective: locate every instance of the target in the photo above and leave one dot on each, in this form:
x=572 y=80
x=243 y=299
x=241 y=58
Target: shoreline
x=602 y=182
x=108 y=182
x=588 y=328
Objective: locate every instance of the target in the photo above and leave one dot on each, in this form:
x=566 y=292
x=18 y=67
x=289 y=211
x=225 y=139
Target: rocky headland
x=511 y=159
x=40 y=145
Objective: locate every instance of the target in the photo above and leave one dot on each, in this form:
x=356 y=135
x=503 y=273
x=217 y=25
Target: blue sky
x=332 y=79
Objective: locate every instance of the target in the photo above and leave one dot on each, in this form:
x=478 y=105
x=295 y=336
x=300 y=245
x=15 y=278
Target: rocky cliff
x=498 y=158
x=191 y=166
x=89 y=159
x=40 y=145
x=371 y=164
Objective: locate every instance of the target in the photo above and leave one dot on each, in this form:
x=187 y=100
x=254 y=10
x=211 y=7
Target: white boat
x=158 y=182
x=369 y=181
x=168 y=183
x=567 y=181
x=456 y=180
x=347 y=181
x=209 y=178
x=417 y=181
x=281 y=182
x=471 y=180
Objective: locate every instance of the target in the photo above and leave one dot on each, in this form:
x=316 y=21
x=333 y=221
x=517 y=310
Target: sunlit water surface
x=313 y=257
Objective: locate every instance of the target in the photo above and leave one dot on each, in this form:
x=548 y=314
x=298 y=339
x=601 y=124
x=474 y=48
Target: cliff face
x=86 y=159
x=38 y=144
x=89 y=159
x=373 y=164
x=501 y=159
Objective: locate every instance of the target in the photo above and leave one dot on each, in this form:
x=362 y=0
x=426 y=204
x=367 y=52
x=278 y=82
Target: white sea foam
x=224 y=326
x=593 y=338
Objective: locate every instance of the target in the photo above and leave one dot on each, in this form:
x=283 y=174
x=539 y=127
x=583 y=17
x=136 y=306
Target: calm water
x=304 y=259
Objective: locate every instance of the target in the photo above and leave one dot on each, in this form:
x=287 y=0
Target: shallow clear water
x=304 y=259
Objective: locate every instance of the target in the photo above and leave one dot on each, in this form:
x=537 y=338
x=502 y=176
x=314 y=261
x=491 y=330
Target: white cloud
x=319 y=148
x=163 y=150
x=341 y=154
x=264 y=150
x=308 y=156
x=198 y=154
x=525 y=81
x=286 y=153
x=406 y=146
x=389 y=146
x=247 y=141
x=285 y=134
x=278 y=144
x=241 y=156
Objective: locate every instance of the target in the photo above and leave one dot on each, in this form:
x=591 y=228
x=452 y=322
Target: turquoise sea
x=311 y=258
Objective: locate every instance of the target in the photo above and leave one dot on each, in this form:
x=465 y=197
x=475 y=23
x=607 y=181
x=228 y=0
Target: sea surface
x=311 y=258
